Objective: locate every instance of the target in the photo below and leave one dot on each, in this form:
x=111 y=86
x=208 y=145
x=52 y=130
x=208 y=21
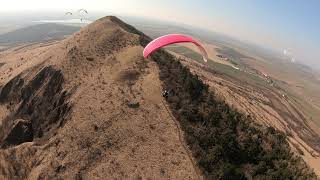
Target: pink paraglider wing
x=172 y=39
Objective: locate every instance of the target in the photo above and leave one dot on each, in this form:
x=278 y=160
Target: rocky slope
x=87 y=107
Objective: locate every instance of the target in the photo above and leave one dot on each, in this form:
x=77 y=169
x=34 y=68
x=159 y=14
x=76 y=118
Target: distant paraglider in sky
x=83 y=11
x=285 y=52
x=81 y=14
x=288 y=54
x=172 y=39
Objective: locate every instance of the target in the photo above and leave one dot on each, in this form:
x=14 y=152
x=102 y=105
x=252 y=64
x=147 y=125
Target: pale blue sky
x=284 y=24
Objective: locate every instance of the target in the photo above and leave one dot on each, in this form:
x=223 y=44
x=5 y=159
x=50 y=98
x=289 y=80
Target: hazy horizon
x=286 y=26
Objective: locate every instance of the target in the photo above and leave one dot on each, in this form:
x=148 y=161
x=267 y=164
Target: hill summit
x=87 y=107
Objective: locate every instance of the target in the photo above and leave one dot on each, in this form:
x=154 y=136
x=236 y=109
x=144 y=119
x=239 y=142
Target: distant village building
x=220 y=56
x=265 y=75
x=236 y=68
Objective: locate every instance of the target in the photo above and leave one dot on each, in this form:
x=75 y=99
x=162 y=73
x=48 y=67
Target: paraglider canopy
x=172 y=39
x=83 y=10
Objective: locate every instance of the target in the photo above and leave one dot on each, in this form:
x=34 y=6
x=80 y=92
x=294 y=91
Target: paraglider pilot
x=165 y=94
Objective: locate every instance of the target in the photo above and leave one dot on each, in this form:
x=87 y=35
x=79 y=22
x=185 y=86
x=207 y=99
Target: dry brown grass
x=102 y=138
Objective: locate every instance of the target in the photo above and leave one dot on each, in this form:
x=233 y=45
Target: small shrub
x=134 y=105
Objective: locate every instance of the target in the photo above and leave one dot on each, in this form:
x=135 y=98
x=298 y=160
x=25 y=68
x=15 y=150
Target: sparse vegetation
x=225 y=143
x=133 y=105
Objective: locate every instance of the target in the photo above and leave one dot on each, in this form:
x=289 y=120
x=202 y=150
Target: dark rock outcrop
x=21 y=132
x=41 y=102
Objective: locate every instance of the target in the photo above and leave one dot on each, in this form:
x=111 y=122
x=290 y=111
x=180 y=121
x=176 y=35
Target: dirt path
x=181 y=139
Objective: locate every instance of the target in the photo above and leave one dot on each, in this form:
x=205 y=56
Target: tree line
x=225 y=143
